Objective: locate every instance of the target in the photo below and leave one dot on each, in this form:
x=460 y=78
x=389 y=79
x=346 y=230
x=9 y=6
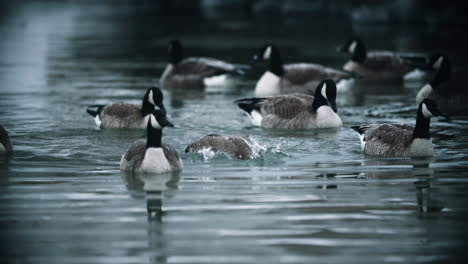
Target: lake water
x=307 y=196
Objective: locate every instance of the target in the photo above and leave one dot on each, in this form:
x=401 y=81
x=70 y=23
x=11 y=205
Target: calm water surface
x=307 y=196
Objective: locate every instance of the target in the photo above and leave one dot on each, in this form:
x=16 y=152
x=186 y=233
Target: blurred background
x=308 y=196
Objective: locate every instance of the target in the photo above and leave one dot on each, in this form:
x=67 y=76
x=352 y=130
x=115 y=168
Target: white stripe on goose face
x=154 y=123
x=352 y=47
x=437 y=64
x=426 y=111
x=267 y=53
x=2 y=148
x=150 y=97
x=324 y=91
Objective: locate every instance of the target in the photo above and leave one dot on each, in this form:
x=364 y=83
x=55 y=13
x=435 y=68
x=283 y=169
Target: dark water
x=307 y=197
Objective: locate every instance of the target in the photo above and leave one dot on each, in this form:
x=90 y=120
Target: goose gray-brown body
x=152 y=155
x=400 y=140
x=196 y=72
x=295 y=77
x=5 y=144
x=125 y=115
x=380 y=65
x=295 y=111
x=446 y=88
x=236 y=147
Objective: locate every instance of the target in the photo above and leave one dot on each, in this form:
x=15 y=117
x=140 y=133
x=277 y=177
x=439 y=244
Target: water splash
x=257 y=149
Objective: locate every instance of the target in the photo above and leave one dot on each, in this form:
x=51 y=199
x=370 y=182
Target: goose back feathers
x=194 y=72
x=125 y=115
x=236 y=147
x=293 y=78
x=295 y=111
x=380 y=65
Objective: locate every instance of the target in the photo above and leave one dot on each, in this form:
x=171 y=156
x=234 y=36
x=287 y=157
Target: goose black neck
x=176 y=52
x=421 y=130
x=153 y=138
x=146 y=107
x=318 y=102
x=276 y=64
x=360 y=54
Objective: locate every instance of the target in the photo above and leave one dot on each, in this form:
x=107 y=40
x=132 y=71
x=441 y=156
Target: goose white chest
x=421 y=147
x=325 y=117
x=155 y=161
x=269 y=84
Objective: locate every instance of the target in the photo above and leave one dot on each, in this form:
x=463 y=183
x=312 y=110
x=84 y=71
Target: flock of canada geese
x=288 y=96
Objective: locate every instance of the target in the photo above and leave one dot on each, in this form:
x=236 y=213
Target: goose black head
x=439 y=63
x=429 y=108
x=354 y=46
x=325 y=94
x=270 y=52
x=158 y=120
x=153 y=98
x=176 y=53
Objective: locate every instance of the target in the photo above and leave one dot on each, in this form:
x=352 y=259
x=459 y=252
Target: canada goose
x=237 y=147
x=295 y=111
x=152 y=155
x=380 y=65
x=450 y=94
x=5 y=144
x=293 y=78
x=400 y=140
x=124 y=115
x=196 y=72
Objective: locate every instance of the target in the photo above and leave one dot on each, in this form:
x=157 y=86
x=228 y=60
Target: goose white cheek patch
x=352 y=47
x=155 y=123
x=267 y=53
x=438 y=63
x=426 y=111
x=150 y=97
x=324 y=91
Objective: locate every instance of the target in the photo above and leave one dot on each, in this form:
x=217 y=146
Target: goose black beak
x=166 y=123
x=341 y=49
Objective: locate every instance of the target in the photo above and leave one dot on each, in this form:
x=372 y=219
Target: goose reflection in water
x=154 y=186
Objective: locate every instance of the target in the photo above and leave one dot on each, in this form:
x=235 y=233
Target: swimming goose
x=124 y=115
x=5 y=144
x=152 y=155
x=236 y=147
x=196 y=72
x=293 y=78
x=380 y=65
x=295 y=111
x=400 y=140
x=450 y=94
